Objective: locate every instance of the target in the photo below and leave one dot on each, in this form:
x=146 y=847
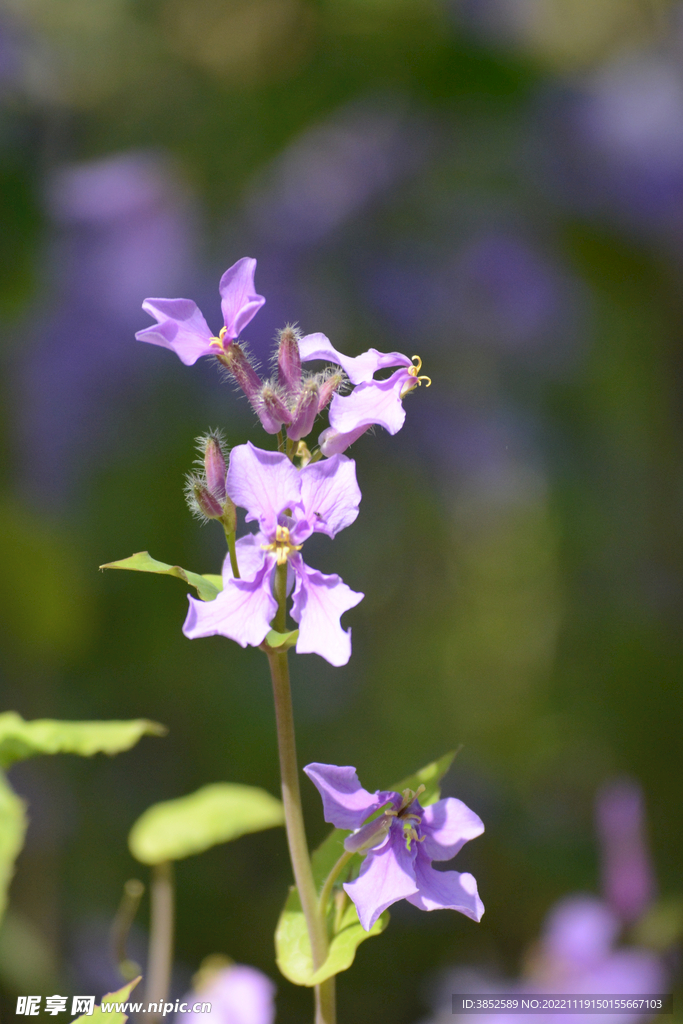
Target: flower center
x=410 y=831
x=414 y=372
x=282 y=545
x=219 y=342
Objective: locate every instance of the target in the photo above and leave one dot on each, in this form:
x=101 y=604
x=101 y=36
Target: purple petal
x=237 y=994
x=319 y=601
x=376 y=402
x=447 y=825
x=265 y=483
x=332 y=442
x=240 y=303
x=242 y=611
x=181 y=327
x=330 y=494
x=445 y=890
x=357 y=368
x=387 y=875
x=345 y=803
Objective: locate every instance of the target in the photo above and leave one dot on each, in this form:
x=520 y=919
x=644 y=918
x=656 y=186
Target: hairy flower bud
x=235 y=359
x=270 y=408
x=289 y=361
x=305 y=411
x=369 y=835
x=200 y=499
x=214 y=466
x=328 y=387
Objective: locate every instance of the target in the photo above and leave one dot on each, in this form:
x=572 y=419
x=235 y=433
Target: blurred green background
x=496 y=185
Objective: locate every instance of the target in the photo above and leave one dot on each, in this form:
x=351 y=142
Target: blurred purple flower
x=628 y=878
x=618 y=142
x=399 y=846
x=372 y=402
x=289 y=505
x=333 y=170
x=237 y=994
x=182 y=328
x=125 y=231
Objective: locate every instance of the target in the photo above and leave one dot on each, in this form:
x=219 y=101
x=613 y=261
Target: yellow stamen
x=413 y=372
x=218 y=342
x=282 y=545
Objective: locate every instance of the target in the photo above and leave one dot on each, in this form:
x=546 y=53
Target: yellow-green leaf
x=206 y=586
x=293 y=949
x=281 y=641
x=191 y=824
x=12 y=829
x=20 y=739
x=113 y=1016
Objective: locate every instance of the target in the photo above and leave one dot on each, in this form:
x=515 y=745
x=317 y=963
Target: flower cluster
x=399 y=845
x=292 y=399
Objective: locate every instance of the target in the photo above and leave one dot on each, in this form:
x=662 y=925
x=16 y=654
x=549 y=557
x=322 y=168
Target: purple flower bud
x=329 y=387
x=234 y=358
x=289 y=361
x=214 y=466
x=369 y=835
x=200 y=499
x=628 y=876
x=271 y=409
x=305 y=411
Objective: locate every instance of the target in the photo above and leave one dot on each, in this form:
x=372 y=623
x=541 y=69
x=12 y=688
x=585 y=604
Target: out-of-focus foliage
x=194 y=823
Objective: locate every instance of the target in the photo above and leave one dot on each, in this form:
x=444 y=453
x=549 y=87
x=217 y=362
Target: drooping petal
x=375 y=402
x=332 y=442
x=446 y=826
x=345 y=803
x=264 y=483
x=387 y=875
x=357 y=368
x=445 y=890
x=181 y=327
x=330 y=494
x=239 y=301
x=319 y=601
x=242 y=611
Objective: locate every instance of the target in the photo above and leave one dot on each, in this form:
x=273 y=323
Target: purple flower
x=372 y=402
x=181 y=327
x=407 y=838
x=237 y=994
x=289 y=505
x=628 y=876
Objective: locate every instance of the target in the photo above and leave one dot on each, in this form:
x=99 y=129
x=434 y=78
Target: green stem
x=331 y=879
x=125 y=915
x=230 y=537
x=160 y=957
x=294 y=819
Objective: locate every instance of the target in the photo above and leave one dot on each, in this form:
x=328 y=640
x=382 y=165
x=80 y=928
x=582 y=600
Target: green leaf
x=20 y=739
x=191 y=824
x=293 y=949
x=12 y=830
x=281 y=641
x=113 y=1016
x=430 y=776
x=207 y=586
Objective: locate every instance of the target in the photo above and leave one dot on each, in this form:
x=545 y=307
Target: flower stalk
x=160 y=959
x=294 y=820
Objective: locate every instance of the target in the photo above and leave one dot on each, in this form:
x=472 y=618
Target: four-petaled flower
x=289 y=505
x=182 y=328
x=372 y=401
x=405 y=840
